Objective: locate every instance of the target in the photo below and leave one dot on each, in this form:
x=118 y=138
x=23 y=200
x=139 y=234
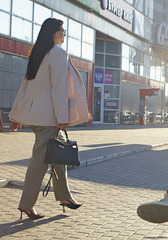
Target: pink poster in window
x=108 y=77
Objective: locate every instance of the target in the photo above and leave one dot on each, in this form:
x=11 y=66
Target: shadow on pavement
x=147 y=170
x=19 y=225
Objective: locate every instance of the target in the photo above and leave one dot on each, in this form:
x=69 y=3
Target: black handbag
x=60 y=152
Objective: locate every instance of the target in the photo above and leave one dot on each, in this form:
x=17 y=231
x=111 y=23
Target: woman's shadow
x=19 y=225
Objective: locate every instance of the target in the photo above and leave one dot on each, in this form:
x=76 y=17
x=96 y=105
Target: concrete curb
x=84 y=163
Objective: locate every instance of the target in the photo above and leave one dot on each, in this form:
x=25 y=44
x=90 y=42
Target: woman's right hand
x=62 y=126
x=15 y=126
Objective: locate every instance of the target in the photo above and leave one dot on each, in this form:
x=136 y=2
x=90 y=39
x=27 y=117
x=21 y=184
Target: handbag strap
x=66 y=134
x=47 y=187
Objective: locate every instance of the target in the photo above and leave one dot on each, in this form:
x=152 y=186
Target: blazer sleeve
x=59 y=81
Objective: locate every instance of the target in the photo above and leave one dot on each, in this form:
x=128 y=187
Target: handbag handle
x=66 y=134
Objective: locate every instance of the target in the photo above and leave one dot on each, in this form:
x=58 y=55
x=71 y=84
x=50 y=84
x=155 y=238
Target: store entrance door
x=97 y=115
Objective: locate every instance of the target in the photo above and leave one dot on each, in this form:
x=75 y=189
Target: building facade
x=119 y=47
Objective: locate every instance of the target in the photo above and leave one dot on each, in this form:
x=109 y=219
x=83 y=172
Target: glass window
x=148 y=28
x=138 y=23
x=125 y=64
x=4 y=18
x=88 y=35
x=149 y=8
x=113 y=47
x=116 y=75
x=21 y=29
x=99 y=59
x=23 y=8
x=111 y=104
x=74 y=47
x=5 y=5
x=111 y=117
x=112 y=61
x=125 y=51
x=74 y=29
x=36 y=30
x=87 y=51
x=99 y=45
x=111 y=91
x=152 y=68
x=158 y=70
x=41 y=13
x=163 y=71
x=138 y=4
x=61 y=17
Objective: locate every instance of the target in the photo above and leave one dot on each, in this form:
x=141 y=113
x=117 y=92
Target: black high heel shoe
x=70 y=205
x=30 y=214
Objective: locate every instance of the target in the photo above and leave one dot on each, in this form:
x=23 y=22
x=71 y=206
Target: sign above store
x=117 y=11
x=162 y=34
x=92 y=4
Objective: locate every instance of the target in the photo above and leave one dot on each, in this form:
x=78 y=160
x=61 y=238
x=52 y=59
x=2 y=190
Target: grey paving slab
x=110 y=191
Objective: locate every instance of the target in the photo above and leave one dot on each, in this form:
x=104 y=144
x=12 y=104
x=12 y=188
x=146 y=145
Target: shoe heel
x=20 y=213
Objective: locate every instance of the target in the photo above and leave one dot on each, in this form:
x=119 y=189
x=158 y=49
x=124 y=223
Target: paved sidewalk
x=110 y=191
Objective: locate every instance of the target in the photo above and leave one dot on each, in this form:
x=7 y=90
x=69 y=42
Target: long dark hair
x=44 y=42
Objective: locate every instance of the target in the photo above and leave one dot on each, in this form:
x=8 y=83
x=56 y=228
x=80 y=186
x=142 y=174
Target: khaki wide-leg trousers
x=37 y=169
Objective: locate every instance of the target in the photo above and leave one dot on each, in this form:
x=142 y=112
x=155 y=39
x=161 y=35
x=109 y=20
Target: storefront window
x=74 y=47
x=152 y=69
x=111 y=117
x=112 y=76
x=138 y=4
x=23 y=8
x=125 y=64
x=21 y=29
x=87 y=51
x=111 y=91
x=99 y=45
x=63 y=18
x=163 y=71
x=112 y=61
x=5 y=18
x=88 y=35
x=138 y=23
x=41 y=13
x=74 y=29
x=36 y=29
x=5 y=5
x=113 y=47
x=111 y=104
x=99 y=60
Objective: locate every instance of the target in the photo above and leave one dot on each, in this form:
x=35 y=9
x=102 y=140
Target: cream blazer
x=56 y=95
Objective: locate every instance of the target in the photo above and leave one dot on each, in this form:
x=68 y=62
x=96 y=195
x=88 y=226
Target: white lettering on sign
x=162 y=33
x=117 y=10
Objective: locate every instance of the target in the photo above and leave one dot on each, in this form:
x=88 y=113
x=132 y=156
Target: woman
x=51 y=95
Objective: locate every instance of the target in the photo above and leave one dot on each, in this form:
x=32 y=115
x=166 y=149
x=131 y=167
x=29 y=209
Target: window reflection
x=23 y=8
x=99 y=59
x=74 y=47
x=4 y=18
x=99 y=45
x=113 y=47
x=41 y=13
x=21 y=29
x=111 y=117
x=87 y=51
x=5 y=5
x=61 y=17
x=74 y=29
x=88 y=35
x=36 y=30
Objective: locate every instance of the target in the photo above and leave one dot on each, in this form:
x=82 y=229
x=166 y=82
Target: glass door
x=97 y=114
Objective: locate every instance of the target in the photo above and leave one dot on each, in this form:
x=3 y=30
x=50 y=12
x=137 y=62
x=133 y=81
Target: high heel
x=70 y=205
x=30 y=214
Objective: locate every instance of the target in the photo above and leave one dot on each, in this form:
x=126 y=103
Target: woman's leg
x=36 y=169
